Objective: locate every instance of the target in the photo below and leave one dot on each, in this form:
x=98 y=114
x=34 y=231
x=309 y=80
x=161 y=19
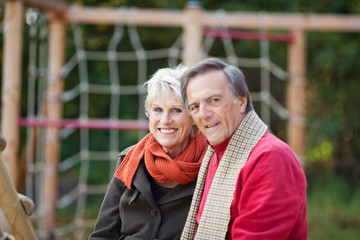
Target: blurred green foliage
x=332 y=134
x=333 y=207
x=333 y=82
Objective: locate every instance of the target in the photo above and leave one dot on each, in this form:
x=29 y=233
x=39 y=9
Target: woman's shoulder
x=125 y=151
x=122 y=155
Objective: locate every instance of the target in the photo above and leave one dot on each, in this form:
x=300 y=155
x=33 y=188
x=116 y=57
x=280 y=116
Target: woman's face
x=170 y=123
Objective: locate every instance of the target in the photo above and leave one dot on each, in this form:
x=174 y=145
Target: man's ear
x=243 y=103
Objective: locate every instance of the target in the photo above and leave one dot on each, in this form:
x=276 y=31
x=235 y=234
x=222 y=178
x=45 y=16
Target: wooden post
x=296 y=93
x=11 y=83
x=192 y=33
x=57 y=28
x=11 y=205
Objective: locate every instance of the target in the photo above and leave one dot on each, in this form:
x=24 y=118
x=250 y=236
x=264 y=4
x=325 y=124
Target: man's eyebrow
x=190 y=104
x=206 y=99
x=213 y=96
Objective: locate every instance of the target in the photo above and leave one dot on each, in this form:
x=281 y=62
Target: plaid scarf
x=216 y=215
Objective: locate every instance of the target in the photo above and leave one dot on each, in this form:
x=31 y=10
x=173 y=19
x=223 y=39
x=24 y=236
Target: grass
x=333 y=208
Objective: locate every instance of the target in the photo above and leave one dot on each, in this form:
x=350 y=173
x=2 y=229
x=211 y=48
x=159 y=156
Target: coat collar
x=141 y=182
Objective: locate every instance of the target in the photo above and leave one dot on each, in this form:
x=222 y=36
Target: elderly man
x=250 y=185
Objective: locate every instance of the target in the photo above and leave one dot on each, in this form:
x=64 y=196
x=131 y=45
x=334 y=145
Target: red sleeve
x=270 y=199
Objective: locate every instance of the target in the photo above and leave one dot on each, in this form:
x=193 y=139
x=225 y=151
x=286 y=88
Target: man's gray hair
x=236 y=79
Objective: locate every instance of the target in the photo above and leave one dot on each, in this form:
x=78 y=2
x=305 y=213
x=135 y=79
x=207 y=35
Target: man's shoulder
x=271 y=141
x=271 y=145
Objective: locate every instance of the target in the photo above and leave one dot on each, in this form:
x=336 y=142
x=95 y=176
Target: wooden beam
x=192 y=35
x=58 y=6
x=296 y=93
x=286 y=21
x=143 y=17
x=11 y=205
x=53 y=105
x=11 y=83
x=175 y=18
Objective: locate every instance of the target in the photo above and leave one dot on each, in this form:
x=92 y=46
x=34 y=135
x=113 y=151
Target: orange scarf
x=182 y=169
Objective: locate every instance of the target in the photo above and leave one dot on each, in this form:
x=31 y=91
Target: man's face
x=213 y=107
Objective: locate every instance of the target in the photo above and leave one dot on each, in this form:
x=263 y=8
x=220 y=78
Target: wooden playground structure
x=16 y=207
x=193 y=20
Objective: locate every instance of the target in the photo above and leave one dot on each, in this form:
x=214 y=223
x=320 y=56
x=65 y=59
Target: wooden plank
x=58 y=6
x=142 y=17
x=286 y=21
x=56 y=56
x=11 y=83
x=86 y=123
x=175 y=18
x=11 y=206
x=192 y=36
x=296 y=93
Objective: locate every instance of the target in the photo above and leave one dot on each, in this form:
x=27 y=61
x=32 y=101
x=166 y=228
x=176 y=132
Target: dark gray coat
x=134 y=214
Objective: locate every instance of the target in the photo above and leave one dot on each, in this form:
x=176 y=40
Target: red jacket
x=270 y=197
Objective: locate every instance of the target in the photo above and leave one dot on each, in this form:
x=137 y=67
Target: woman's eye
x=177 y=110
x=157 y=109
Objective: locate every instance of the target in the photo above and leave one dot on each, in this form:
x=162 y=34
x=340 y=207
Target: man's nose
x=204 y=110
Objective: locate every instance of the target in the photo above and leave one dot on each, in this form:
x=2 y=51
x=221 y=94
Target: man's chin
x=213 y=140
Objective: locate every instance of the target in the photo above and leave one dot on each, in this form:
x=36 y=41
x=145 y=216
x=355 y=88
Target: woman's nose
x=166 y=118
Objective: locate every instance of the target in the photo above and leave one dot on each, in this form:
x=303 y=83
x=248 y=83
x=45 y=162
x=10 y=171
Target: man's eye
x=193 y=108
x=215 y=100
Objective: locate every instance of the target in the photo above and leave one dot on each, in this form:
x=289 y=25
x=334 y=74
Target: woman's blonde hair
x=164 y=81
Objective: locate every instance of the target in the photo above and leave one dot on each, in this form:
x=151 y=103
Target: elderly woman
x=150 y=194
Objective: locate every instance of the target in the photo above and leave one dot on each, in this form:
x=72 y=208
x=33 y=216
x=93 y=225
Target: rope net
x=102 y=94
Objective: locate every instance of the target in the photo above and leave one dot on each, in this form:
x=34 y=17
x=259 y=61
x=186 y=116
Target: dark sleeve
x=108 y=223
